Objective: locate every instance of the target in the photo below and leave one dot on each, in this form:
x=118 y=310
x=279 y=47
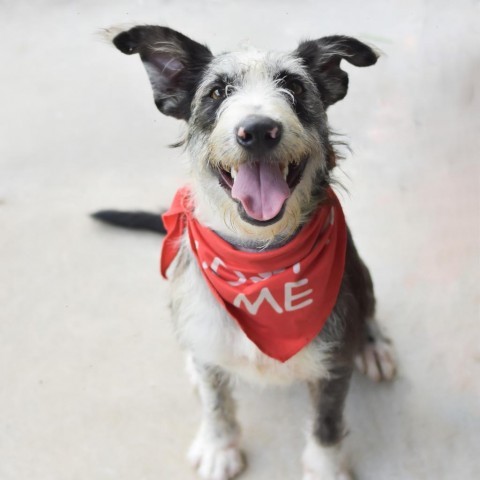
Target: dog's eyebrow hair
x=228 y=77
x=286 y=74
x=225 y=78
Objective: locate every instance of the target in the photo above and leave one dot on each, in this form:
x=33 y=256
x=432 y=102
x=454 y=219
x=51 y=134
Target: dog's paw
x=324 y=463
x=377 y=359
x=216 y=462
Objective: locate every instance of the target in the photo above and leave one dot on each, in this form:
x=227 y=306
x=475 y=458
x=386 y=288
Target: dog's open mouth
x=262 y=188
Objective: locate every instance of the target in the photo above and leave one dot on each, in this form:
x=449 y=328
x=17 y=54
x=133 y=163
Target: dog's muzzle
x=263 y=184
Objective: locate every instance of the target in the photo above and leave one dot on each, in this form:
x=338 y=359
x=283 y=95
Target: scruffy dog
x=265 y=278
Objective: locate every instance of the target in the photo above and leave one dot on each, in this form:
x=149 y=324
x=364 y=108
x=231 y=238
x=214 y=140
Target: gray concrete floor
x=92 y=381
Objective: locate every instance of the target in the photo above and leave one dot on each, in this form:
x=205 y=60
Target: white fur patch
x=324 y=463
x=192 y=371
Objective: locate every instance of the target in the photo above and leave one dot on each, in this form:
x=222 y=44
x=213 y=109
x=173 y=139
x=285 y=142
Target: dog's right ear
x=174 y=64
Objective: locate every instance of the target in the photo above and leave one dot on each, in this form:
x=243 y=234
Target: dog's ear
x=322 y=57
x=174 y=64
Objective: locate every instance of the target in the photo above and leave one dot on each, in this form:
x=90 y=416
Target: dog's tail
x=137 y=220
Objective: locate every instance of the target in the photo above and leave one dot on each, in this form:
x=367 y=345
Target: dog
x=260 y=175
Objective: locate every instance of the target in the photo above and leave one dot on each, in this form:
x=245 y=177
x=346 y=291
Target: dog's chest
x=213 y=337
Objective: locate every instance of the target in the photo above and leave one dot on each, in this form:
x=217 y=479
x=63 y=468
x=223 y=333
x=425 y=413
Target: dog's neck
x=255 y=245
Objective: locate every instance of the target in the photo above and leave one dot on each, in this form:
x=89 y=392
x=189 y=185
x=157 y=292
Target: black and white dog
x=245 y=108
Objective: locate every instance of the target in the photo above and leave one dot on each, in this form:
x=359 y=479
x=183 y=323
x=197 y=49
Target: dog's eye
x=218 y=93
x=295 y=87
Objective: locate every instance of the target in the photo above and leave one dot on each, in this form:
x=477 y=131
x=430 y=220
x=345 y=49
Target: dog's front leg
x=215 y=452
x=323 y=458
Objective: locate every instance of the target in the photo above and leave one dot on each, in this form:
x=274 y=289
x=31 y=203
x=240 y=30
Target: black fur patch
x=322 y=57
x=174 y=64
x=304 y=104
x=206 y=111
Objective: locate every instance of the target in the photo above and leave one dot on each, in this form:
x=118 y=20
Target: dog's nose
x=257 y=132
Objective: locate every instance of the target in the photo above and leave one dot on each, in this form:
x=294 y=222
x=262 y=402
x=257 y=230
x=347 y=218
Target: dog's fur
x=214 y=94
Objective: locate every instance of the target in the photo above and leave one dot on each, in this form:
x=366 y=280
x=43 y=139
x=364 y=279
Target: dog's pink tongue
x=261 y=188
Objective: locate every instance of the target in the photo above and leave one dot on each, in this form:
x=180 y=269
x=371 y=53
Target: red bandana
x=280 y=298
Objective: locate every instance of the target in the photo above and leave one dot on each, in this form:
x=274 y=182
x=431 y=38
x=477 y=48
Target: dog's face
x=257 y=137
x=257 y=130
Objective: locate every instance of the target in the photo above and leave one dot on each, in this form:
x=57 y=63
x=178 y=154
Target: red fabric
x=280 y=298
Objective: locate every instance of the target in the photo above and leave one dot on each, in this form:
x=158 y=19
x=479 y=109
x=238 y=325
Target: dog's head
x=257 y=130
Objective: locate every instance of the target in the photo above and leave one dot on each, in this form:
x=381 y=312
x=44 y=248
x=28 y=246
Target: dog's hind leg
x=323 y=458
x=376 y=358
x=215 y=452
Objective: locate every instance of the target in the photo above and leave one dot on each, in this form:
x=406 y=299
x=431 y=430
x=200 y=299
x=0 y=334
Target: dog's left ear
x=322 y=57
x=174 y=64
